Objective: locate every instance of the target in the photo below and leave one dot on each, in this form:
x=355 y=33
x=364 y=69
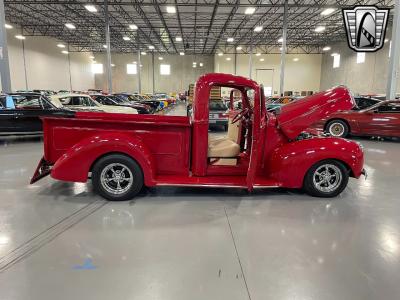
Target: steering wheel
x=240 y=115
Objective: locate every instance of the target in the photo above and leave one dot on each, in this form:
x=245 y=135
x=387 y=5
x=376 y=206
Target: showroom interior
x=198 y=149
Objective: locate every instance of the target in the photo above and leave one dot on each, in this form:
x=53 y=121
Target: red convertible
x=122 y=153
x=381 y=119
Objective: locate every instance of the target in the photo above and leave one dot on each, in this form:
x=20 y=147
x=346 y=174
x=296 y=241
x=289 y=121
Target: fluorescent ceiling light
x=91 y=8
x=112 y=65
x=181 y=53
x=258 y=28
x=60 y=45
x=334 y=54
x=280 y=48
x=228 y=58
x=239 y=48
x=160 y=58
x=70 y=26
x=249 y=10
x=327 y=11
x=105 y=46
x=280 y=40
x=194 y=66
x=126 y=38
x=151 y=47
x=319 y=28
x=143 y=53
x=195 y=63
x=295 y=59
x=64 y=52
x=8 y=26
x=230 y=40
x=200 y=64
x=178 y=39
x=20 y=37
x=326 y=48
x=258 y=54
x=92 y=57
x=261 y=59
x=220 y=54
x=171 y=9
x=133 y=27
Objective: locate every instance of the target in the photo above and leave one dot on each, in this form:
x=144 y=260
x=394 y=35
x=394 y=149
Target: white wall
x=45 y=66
x=302 y=75
x=182 y=72
x=369 y=77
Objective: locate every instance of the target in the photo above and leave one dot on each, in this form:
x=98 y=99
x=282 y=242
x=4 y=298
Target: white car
x=84 y=102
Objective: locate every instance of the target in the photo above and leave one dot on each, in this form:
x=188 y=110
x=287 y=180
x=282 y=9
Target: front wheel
x=327 y=178
x=337 y=128
x=117 y=177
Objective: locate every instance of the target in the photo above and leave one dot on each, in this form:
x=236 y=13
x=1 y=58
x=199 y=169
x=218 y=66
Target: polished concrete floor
x=60 y=241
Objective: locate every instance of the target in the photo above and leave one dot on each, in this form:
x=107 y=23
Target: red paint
x=371 y=121
x=173 y=150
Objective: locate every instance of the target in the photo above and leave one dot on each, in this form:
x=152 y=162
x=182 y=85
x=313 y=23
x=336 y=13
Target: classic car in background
x=79 y=102
x=371 y=117
x=20 y=114
x=274 y=103
x=121 y=101
x=155 y=104
x=218 y=114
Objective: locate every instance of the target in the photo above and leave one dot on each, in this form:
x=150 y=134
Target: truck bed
x=167 y=137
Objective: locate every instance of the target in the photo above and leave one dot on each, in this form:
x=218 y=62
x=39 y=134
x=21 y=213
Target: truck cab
x=122 y=153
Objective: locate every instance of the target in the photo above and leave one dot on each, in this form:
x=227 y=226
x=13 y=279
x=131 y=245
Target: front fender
x=75 y=164
x=289 y=163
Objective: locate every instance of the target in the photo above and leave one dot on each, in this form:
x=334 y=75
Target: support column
x=152 y=65
x=108 y=44
x=4 y=63
x=25 y=73
x=393 y=68
x=283 y=52
x=251 y=55
x=235 y=63
x=69 y=69
x=139 y=83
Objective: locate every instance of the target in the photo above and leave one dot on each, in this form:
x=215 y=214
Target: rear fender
x=289 y=163
x=75 y=164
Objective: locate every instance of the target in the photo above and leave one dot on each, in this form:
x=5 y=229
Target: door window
x=24 y=103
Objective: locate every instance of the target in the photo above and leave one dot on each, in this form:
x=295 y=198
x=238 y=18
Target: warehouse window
x=131 y=69
x=165 y=69
x=360 y=57
x=336 y=61
x=97 y=68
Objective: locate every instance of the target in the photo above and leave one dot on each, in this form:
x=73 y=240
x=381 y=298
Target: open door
x=256 y=143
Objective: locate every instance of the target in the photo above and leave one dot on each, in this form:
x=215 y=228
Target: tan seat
x=225 y=146
x=233 y=133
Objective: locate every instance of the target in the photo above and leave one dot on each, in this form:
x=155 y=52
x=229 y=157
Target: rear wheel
x=337 y=128
x=117 y=177
x=327 y=178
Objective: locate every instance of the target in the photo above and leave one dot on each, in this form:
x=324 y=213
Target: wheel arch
x=79 y=160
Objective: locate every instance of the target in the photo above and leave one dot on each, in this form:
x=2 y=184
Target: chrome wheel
x=327 y=178
x=336 y=129
x=116 y=178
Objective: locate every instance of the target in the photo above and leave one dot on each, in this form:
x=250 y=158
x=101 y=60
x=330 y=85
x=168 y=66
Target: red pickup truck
x=122 y=153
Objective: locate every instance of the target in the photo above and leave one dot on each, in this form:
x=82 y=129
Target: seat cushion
x=223 y=148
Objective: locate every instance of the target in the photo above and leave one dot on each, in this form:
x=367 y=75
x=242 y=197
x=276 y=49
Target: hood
x=298 y=115
x=118 y=109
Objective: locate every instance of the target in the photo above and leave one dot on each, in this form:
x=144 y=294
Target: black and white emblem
x=365 y=27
